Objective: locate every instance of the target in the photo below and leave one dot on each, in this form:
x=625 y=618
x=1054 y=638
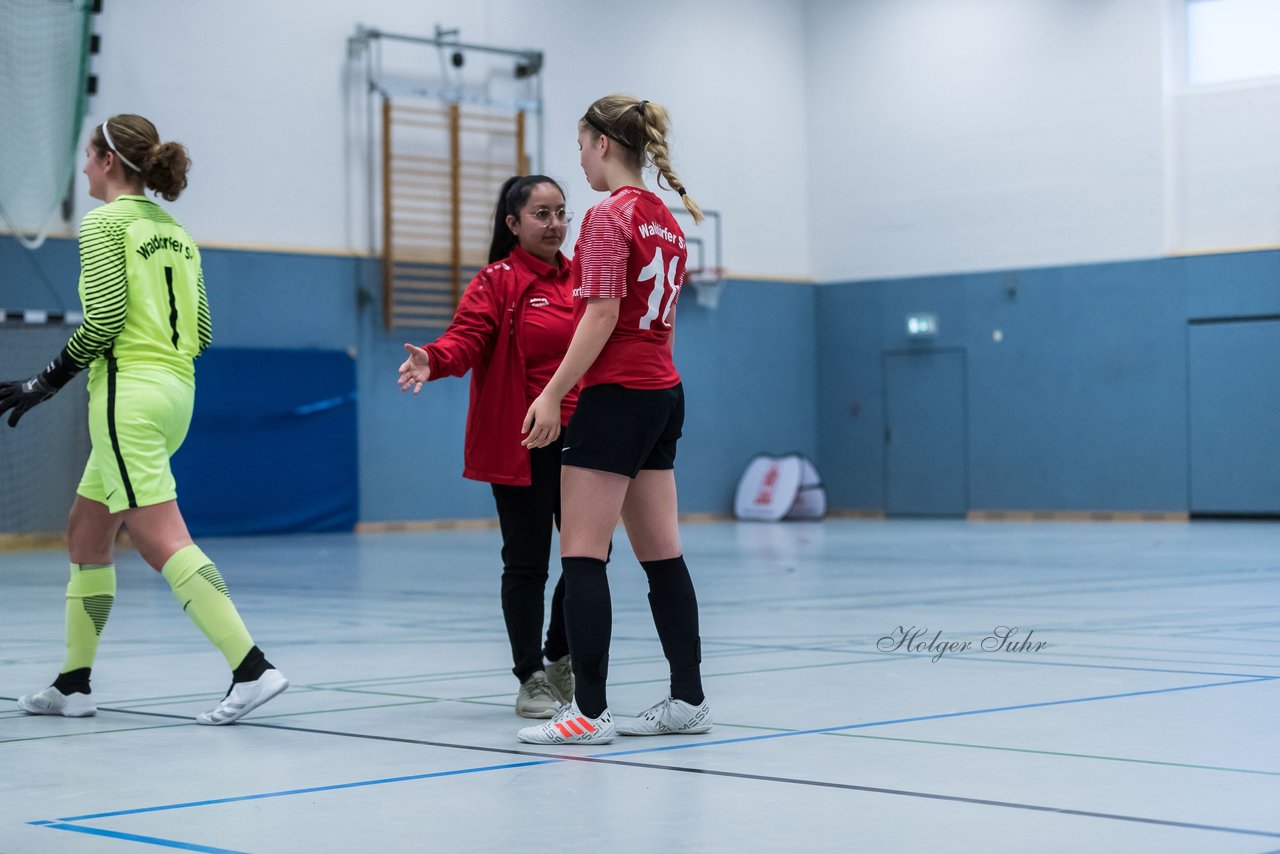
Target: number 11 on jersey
x=661 y=275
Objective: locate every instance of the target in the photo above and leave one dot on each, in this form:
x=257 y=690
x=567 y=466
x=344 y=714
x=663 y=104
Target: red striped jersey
x=630 y=248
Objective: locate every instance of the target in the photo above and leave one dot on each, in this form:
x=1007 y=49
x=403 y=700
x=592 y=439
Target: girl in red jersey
x=511 y=330
x=620 y=447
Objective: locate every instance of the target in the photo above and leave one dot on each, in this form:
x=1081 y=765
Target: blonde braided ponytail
x=641 y=128
x=656 y=124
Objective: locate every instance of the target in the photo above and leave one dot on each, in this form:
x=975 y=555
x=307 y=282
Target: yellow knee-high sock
x=200 y=590
x=90 y=594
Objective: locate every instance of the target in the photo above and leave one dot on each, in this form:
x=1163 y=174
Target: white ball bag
x=780 y=487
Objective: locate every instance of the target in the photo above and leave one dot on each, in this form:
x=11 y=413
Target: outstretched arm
x=470 y=334
x=415 y=370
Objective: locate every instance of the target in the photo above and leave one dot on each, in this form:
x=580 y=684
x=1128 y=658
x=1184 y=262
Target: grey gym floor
x=1147 y=723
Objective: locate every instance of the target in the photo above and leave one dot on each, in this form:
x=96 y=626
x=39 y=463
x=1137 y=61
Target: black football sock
x=588 y=614
x=675 y=615
x=73 y=681
x=252 y=667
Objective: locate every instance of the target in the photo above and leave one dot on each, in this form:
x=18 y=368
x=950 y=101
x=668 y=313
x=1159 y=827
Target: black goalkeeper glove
x=23 y=395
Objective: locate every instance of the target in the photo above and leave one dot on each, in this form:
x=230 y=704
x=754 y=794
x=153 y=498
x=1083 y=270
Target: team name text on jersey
x=160 y=241
x=653 y=229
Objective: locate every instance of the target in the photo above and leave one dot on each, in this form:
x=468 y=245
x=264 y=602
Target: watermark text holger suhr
x=1001 y=639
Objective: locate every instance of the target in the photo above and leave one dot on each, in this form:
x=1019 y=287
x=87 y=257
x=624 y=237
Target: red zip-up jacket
x=484 y=338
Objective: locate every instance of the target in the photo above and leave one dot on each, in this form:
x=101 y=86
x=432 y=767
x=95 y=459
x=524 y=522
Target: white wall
x=950 y=135
x=841 y=139
x=1225 y=185
x=257 y=91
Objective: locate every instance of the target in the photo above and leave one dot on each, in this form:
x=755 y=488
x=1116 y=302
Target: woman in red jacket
x=511 y=330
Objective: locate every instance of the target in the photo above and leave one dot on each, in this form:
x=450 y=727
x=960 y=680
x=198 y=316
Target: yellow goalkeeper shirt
x=142 y=291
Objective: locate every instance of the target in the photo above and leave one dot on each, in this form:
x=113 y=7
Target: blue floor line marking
x=310 y=790
x=821 y=730
x=843 y=786
x=667 y=748
x=147 y=840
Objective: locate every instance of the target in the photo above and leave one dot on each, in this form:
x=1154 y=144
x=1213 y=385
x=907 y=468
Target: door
x=1233 y=404
x=925 y=433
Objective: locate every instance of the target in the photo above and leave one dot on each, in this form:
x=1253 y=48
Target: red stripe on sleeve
x=603 y=247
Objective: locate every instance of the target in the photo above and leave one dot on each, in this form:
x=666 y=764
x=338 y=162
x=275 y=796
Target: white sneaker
x=536 y=699
x=560 y=677
x=670 y=717
x=51 y=701
x=571 y=726
x=243 y=698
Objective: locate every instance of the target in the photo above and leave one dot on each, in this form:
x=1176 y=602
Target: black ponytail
x=511 y=198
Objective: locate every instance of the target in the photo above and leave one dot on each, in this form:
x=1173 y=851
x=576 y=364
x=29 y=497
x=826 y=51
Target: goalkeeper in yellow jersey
x=145 y=319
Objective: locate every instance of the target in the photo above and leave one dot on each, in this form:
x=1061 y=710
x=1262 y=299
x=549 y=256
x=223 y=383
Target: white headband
x=106 y=134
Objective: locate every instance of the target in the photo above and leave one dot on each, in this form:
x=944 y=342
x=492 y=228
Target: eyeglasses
x=545 y=215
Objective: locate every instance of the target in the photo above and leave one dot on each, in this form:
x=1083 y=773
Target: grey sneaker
x=536 y=699
x=670 y=717
x=51 y=701
x=560 y=676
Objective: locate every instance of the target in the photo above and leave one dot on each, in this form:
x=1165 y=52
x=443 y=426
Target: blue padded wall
x=272 y=445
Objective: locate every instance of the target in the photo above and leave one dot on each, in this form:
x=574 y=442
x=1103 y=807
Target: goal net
x=41 y=459
x=43 y=97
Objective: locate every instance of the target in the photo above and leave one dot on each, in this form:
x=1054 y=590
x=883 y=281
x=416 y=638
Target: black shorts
x=624 y=430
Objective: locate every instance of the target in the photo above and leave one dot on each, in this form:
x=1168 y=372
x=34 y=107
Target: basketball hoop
x=707 y=283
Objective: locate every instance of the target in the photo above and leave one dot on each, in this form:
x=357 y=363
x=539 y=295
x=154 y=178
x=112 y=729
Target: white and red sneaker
x=571 y=726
